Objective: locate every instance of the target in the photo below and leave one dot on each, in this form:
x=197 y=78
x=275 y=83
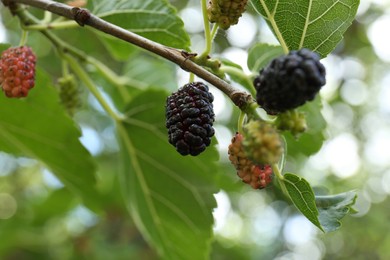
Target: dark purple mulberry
x=289 y=81
x=190 y=117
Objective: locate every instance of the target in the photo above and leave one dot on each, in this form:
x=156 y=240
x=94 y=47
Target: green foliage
x=155 y=20
x=316 y=25
x=40 y=128
x=332 y=208
x=170 y=197
x=259 y=55
x=323 y=211
x=302 y=196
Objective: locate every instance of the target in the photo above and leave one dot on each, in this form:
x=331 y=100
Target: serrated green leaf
x=155 y=20
x=332 y=208
x=38 y=127
x=316 y=25
x=170 y=197
x=302 y=196
x=261 y=54
x=311 y=141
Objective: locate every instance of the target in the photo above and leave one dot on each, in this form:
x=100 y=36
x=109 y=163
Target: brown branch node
x=80 y=15
x=241 y=99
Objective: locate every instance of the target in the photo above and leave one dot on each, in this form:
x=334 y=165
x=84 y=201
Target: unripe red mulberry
x=17 y=71
x=262 y=142
x=189 y=118
x=256 y=175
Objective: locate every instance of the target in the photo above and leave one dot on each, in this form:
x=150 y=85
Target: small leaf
x=317 y=25
x=302 y=196
x=332 y=208
x=155 y=20
x=38 y=126
x=169 y=196
x=261 y=54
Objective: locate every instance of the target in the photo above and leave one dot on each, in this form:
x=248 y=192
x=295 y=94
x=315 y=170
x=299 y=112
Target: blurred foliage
x=42 y=219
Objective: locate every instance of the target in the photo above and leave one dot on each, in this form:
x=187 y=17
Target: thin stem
x=47 y=17
x=214 y=31
x=54 y=25
x=23 y=38
x=280 y=178
x=83 y=76
x=206 y=25
x=240 y=74
x=65 y=68
x=241 y=120
x=192 y=77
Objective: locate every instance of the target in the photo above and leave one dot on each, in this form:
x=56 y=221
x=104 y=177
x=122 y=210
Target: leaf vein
x=177 y=211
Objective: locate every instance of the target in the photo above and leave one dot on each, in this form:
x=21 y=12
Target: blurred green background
x=40 y=219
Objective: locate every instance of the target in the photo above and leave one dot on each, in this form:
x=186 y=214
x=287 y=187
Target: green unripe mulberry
x=69 y=94
x=292 y=121
x=262 y=142
x=225 y=12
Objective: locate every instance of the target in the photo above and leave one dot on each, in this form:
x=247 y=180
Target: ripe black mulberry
x=190 y=118
x=289 y=81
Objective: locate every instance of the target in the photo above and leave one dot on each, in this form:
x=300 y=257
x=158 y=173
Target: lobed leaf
x=155 y=20
x=332 y=208
x=302 y=196
x=38 y=127
x=170 y=197
x=316 y=25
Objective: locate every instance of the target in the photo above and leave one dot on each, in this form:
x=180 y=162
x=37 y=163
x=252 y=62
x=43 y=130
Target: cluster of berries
x=287 y=82
x=225 y=12
x=17 y=71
